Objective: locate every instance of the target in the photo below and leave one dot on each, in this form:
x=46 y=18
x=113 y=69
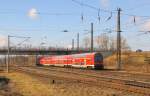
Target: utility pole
x=8 y=52
x=78 y=36
x=92 y=37
x=118 y=40
x=72 y=44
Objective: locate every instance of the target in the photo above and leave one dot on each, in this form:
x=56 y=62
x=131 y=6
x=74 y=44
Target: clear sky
x=17 y=17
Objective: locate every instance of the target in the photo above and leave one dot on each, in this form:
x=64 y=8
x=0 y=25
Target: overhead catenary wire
x=92 y=7
x=73 y=14
x=137 y=23
x=109 y=17
x=99 y=18
x=138 y=6
x=79 y=3
x=83 y=5
x=111 y=12
x=82 y=12
x=39 y=13
x=108 y=11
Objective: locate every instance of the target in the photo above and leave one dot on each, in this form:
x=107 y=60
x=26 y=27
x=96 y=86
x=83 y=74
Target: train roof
x=83 y=54
x=74 y=55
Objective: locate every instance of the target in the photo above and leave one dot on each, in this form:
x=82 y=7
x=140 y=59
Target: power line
x=81 y=4
x=135 y=15
x=138 y=6
x=58 y=14
x=39 y=13
x=130 y=24
x=92 y=7
x=108 y=11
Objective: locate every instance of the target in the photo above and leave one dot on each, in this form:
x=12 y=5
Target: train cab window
x=98 y=57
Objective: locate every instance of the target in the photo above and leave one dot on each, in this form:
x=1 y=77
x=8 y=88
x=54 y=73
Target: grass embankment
x=26 y=85
x=130 y=61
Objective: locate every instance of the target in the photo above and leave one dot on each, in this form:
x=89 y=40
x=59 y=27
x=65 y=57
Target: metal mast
x=118 y=40
x=77 y=41
x=92 y=37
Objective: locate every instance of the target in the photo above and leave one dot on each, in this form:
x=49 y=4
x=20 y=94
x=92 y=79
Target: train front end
x=98 y=61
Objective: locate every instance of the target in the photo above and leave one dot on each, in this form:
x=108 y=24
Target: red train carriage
x=92 y=60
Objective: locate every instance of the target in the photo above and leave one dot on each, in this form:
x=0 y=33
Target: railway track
x=139 y=87
x=117 y=77
x=112 y=74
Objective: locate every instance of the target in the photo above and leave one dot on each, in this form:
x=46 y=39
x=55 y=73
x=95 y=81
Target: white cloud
x=33 y=13
x=3 y=41
x=104 y=3
x=146 y=26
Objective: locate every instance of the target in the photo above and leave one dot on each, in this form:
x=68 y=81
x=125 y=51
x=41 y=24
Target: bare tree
x=112 y=44
x=103 y=42
x=86 y=42
x=124 y=44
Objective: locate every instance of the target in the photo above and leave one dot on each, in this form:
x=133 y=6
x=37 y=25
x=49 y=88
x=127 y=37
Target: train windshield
x=98 y=57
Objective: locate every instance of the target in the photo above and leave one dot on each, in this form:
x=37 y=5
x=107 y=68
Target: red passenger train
x=86 y=60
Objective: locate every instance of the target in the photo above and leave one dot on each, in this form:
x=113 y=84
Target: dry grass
x=130 y=62
x=29 y=86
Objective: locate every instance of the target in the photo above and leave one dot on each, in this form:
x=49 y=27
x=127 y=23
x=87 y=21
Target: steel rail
x=112 y=74
x=114 y=83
